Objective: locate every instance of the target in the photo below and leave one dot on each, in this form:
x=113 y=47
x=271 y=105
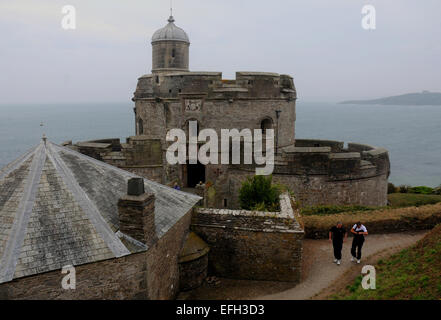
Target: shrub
x=437 y=190
x=391 y=188
x=421 y=190
x=259 y=194
x=404 y=189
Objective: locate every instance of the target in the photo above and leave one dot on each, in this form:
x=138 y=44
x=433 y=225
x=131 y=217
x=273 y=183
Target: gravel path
x=319 y=271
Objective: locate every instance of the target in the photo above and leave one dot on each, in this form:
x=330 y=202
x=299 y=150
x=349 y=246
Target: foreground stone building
x=126 y=236
x=61 y=208
x=317 y=171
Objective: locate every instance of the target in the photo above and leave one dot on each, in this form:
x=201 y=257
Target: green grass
x=412 y=274
x=401 y=200
x=396 y=200
x=333 y=209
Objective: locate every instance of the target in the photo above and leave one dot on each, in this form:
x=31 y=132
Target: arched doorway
x=195 y=174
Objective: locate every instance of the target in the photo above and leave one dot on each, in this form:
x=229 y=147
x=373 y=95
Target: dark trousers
x=338 y=246
x=357 y=245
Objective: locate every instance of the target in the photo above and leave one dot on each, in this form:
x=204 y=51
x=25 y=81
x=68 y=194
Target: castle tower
x=170 y=47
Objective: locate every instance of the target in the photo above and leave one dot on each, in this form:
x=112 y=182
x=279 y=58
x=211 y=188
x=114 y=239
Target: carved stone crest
x=193 y=105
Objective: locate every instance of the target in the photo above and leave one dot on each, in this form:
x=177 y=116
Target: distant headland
x=424 y=98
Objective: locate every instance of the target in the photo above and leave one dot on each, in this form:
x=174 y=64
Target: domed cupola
x=170 y=33
x=170 y=47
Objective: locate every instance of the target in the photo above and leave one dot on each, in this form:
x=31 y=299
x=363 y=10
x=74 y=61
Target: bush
x=421 y=190
x=437 y=190
x=403 y=189
x=259 y=194
x=391 y=188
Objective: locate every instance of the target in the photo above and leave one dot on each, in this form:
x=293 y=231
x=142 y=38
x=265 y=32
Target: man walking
x=337 y=235
x=359 y=231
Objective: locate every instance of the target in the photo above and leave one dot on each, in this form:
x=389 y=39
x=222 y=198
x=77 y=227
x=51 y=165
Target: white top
x=362 y=228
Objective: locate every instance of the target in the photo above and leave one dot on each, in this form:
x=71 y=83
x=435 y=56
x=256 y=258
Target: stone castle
x=129 y=235
x=318 y=172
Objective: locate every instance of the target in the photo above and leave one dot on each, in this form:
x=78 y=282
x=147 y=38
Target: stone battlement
x=247 y=85
x=329 y=158
x=259 y=245
x=325 y=157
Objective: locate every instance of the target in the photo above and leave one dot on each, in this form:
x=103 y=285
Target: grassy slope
x=414 y=273
x=397 y=200
x=400 y=200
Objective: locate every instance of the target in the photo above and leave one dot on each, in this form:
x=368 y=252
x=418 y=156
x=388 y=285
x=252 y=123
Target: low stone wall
x=162 y=261
x=377 y=222
x=252 y=245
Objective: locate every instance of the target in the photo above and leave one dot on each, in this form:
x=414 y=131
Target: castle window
x=140 y=127
x=266 y=124
x=170 y=91
x=157 y=79
x=225 y=203
x=173 y=53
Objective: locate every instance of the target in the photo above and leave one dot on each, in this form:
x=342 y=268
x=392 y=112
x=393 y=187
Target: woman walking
x=359 y=231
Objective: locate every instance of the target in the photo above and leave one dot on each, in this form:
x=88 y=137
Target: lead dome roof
x=170 y=33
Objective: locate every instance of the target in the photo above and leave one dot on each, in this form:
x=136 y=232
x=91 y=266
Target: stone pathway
x=319 y=271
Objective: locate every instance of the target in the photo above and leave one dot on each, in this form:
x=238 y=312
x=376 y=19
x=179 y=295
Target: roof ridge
x=12 y=166
x=8 y=261
x=88 y=206
x=116 y=169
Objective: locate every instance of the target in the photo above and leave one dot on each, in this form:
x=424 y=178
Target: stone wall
x=162 y=261
x=122 y=278
x=322 y=172
x=320 y=190
x=140 y=155
x=243 y=103
x=163 y=58
x=252 y=245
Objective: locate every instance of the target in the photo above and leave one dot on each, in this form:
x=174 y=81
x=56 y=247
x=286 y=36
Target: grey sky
x=319 y=42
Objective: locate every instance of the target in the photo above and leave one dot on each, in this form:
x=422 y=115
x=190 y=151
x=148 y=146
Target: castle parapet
x=325 y=157
x=247 y=85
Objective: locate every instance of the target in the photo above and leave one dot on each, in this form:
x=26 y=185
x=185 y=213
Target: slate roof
x=59 y=207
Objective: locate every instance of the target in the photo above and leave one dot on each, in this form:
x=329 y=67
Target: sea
x=412 y=134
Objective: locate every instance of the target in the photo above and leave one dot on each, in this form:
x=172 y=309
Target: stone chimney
x=136 y=212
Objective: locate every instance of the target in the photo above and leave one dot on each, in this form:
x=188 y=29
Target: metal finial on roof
x=44 y=138
x=170 y=33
